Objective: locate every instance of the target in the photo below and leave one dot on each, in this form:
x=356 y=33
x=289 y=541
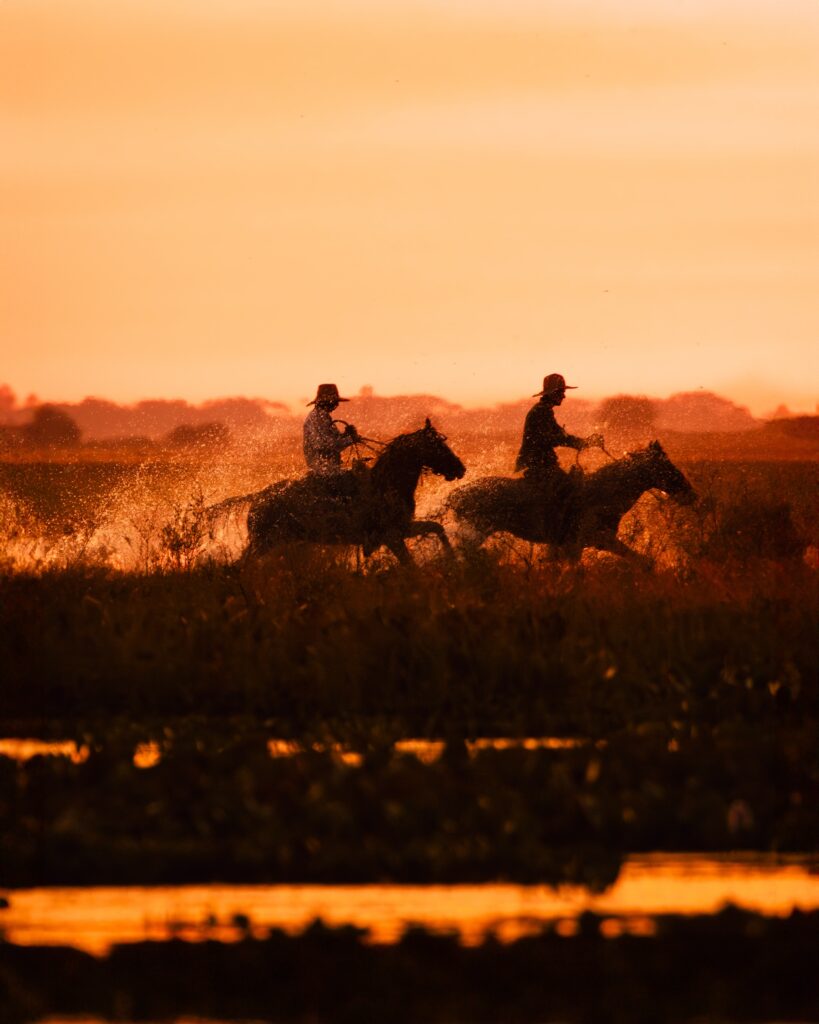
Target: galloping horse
x=592 y=517
x=373 y=507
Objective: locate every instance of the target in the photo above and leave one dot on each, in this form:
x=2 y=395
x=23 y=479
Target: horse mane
x=400 y=441
x=636 y=458
x=390 y=460
x=396 y=446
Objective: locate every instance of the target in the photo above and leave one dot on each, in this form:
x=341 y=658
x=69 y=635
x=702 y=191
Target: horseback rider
x=323 y=441
x=541 y=435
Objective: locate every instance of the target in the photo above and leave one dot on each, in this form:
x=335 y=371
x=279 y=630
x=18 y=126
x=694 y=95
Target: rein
x=361 y=437
x=362 y=441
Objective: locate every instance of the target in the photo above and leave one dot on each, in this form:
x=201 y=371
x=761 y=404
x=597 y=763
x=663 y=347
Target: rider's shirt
x=541 y=435
x=323 y=442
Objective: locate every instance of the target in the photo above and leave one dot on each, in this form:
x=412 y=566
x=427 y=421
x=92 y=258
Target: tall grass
x=137 y=610
x=484 y=644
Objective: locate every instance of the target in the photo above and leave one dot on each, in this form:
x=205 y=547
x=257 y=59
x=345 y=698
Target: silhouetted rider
x=542 y=434
x=556 y=493
x=323 y=441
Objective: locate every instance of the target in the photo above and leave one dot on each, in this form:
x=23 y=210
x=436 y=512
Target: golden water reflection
x=96 y=918
x=146 y=755
x=24 y=749
x=429 y=751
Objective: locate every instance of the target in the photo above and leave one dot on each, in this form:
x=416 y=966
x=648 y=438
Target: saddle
x=339 y=491
x=331 y=487
x=554 y=501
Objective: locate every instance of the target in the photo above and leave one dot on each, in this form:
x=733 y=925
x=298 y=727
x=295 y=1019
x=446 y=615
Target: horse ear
x=655 y=446
x=427 y=425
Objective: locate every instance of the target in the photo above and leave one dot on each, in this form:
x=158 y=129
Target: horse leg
x=422 y=527
x=399 y=548
x=246 y=572
x=470 y=537
x=613 y=544
x=425 y=527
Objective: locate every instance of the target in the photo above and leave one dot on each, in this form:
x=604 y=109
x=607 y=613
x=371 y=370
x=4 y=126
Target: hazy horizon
x=299 y=406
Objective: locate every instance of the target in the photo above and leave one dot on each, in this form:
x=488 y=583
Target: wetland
x=478 y=788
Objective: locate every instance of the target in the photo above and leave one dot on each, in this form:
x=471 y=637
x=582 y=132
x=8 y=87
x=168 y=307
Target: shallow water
x=95 y=918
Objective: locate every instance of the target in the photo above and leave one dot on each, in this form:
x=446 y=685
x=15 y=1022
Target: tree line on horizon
x=178 y=423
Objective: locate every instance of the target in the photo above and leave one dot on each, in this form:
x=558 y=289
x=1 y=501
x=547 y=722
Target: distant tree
x=236 y=413
x=628 y=418
x=805 y=428
x=703 y=412
x=8 y=402
x=50 y=427
x=198 y=435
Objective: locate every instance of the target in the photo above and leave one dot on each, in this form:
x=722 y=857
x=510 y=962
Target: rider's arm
x=322 y=436
x=570 y=441
x=561 y=438
x=346 y=438
x=593 y=441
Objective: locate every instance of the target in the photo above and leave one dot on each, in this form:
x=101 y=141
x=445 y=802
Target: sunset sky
x=213 y=197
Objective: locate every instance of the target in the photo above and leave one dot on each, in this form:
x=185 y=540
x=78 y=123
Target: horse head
x=436 y=453
x=666 y=477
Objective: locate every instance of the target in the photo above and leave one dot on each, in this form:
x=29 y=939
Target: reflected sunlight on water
x=146 y=755
x=96 y=918
x=429 y=751
x=24 y=749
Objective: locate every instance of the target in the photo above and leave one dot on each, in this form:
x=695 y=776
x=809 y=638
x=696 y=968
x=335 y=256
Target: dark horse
x=371 y=507
x=594 y=507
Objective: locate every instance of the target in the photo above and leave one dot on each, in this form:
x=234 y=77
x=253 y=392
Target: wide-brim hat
x=327 y=393
x=554 y=382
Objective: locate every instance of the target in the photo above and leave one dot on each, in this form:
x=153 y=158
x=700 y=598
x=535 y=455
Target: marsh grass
x=697 y=687
x=484 y=645
x=181 y=540
x=495 y=641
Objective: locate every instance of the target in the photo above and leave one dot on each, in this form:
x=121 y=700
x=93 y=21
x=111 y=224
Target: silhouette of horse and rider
x=373 y=505
x=568 y=511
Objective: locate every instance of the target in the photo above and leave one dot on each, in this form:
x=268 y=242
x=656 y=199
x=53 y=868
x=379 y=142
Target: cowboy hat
x=327 y=393
x=554 y=382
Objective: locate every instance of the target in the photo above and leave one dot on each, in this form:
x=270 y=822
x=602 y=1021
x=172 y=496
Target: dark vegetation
x=484 y=646
x=219 y=807
x=697 y=694
x=693 y=687
x=733 y=966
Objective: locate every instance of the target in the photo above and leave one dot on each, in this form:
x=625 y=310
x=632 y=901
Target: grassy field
x=695 y=686
x=691 y=690
x=486 y=645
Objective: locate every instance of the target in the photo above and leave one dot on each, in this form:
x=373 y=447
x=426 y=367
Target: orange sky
x=210 y=197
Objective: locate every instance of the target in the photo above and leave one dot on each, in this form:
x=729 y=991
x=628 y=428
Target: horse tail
x=214 y=513
x=221 y=508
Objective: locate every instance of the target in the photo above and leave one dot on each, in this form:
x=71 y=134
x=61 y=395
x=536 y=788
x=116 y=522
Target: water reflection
x=95 y=918
x=24 y=749
x=429 y=751
x=146 y=755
